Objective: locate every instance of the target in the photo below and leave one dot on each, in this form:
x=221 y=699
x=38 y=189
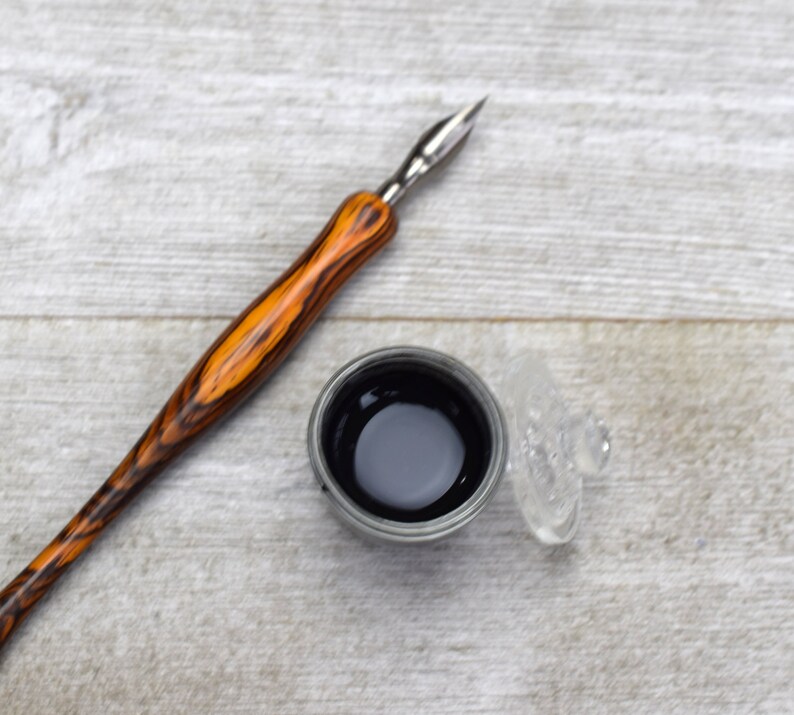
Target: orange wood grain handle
x=236 y=364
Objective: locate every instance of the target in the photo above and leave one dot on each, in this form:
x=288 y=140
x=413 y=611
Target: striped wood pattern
x=244 y=355
x=624 y=208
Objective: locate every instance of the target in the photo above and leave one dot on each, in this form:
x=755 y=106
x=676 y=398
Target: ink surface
x=408 y=456
x=406 y=443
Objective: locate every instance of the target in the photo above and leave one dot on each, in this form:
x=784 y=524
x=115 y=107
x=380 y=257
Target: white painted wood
x=160 y=163
x=635 y=159
x=230 y=586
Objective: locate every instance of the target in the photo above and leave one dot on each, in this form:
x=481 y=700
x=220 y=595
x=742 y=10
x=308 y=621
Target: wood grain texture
x=230 y=587
x=236 y=364
x=638 y=157
x=161 y=162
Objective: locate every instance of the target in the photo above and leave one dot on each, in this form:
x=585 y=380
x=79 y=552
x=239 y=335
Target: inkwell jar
x=409 y=445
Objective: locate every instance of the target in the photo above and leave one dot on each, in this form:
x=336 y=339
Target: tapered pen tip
x=469 y=113
x=436 y=146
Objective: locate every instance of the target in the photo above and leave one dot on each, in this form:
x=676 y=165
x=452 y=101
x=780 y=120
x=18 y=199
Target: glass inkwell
x=409 y=445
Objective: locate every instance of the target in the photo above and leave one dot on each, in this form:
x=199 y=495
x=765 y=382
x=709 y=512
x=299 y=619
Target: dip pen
x=240 y=360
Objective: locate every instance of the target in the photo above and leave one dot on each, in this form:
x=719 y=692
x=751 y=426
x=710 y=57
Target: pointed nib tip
x=434 y=149
x=473 y=110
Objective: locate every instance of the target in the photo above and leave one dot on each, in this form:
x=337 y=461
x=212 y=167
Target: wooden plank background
x=625 y=210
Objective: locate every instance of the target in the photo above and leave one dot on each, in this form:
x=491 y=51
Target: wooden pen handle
x=236 y=364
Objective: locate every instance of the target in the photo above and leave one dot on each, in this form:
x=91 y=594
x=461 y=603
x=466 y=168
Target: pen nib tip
x=435 y=148
x=467 y=114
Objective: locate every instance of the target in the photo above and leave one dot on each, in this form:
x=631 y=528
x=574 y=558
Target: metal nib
x=436 y=146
